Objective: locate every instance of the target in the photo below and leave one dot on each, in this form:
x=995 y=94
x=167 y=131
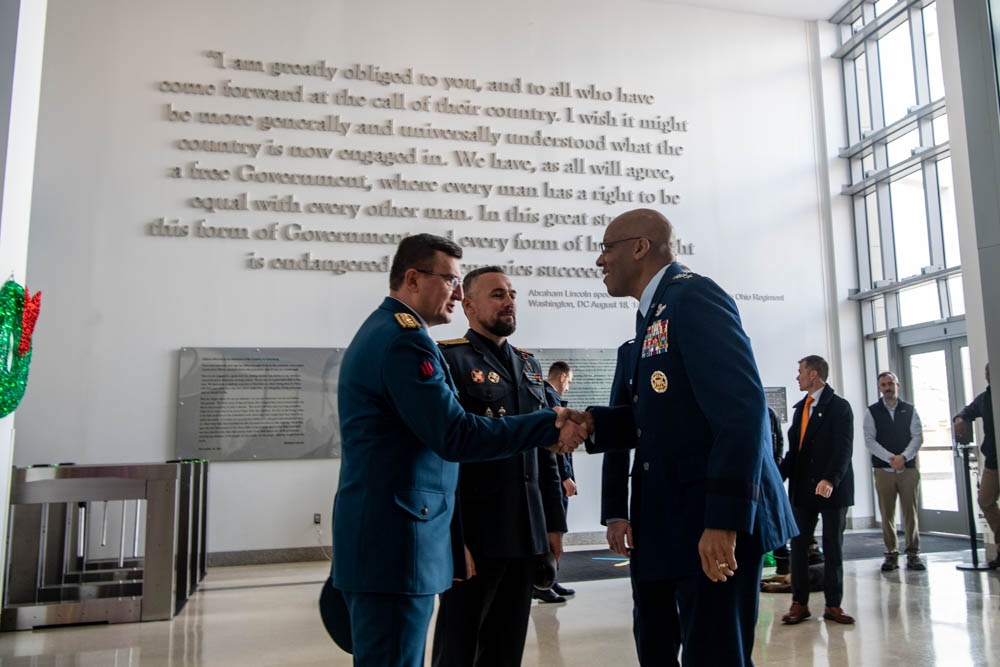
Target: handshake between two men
x=575 y=426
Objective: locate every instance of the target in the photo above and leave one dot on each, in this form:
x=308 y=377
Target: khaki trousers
x=989 y=492
x=890 y=485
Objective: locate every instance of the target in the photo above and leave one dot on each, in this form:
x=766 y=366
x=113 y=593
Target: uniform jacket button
x=635 y=398
x=645 y=465
x=425 y=511
x=638 y=433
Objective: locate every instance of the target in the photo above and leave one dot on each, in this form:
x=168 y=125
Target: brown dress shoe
x=796 y=614
x=837 y=614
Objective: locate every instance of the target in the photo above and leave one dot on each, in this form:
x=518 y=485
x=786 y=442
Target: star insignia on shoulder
x=452 y=342
x=407 y=321
x=684 y=276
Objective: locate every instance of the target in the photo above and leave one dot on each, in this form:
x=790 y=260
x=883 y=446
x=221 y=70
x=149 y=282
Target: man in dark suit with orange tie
x=820 y=484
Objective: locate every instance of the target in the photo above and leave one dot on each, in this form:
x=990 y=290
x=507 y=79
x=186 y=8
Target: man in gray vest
x=893 y=435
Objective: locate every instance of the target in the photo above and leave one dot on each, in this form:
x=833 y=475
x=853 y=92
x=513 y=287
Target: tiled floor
x=266 y=615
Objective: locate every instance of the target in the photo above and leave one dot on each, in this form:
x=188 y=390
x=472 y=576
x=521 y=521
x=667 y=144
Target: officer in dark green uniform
x=511 y=509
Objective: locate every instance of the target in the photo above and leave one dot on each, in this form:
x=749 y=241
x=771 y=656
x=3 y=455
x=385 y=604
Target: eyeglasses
x=608 y=246
x=454 y=282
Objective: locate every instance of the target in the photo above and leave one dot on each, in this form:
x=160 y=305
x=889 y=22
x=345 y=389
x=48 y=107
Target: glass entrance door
x=936 y=379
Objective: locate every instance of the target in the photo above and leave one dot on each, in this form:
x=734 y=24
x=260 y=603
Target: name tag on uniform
x=655 y=340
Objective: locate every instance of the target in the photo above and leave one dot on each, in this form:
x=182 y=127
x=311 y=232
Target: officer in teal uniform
x=403 y=432
x=707 y=499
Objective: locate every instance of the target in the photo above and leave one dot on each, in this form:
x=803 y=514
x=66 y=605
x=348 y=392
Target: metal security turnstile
x=104 y=543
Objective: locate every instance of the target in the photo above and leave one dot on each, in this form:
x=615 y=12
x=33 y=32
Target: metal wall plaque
x=777 y=401
x=593 y=373
x=244 y=404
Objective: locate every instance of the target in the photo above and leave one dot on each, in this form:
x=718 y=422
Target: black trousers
x=714 y=622
x=482 y=622
x=834 y=522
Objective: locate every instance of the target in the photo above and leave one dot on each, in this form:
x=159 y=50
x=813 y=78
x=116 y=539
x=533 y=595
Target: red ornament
x=426 y=369
x=32 y=306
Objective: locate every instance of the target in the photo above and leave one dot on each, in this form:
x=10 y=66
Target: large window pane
x=956 y=294
x=878 y=313
x=895 y=57
x=949 y=220
x=867 y=164
x=883 y=5
x=919 y=304
x=902 y=148
x=909 y=225
x=933 y=45
x=864 y=102
x=874 y=238
x=881 y=353
x=929 y=389
x=940 y=125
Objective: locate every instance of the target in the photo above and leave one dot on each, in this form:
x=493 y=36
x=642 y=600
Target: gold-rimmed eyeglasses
x=610 y=244
x=454 y=282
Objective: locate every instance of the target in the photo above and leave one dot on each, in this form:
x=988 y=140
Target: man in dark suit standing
x=989 y=480
x=820 y=483
x=557 y=383
x=707 y=501
x=511 y=509
x=403 y=429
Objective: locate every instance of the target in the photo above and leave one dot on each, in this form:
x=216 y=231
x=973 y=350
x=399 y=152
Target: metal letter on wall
x=244 y=404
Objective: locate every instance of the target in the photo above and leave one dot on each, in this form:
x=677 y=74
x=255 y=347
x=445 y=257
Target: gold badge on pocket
x=659 y=381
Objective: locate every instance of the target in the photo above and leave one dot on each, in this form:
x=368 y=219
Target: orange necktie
x=805 y=419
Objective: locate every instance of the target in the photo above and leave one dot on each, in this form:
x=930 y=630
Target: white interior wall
x=119 y=303
x=22 y=27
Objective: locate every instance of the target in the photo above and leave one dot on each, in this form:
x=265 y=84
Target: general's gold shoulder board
x=523 y=351
x=407 y=321
x=452 y=342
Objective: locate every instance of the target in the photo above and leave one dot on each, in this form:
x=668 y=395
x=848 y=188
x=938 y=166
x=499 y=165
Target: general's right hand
x=620 y=537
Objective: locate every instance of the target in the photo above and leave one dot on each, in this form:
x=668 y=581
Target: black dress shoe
x=547 y=595
x=559 y=589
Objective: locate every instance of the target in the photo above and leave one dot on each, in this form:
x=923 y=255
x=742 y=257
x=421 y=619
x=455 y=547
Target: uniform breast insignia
x=532 y=377
x=659 y=309
x=658 y=380
x=494 y=377
x=655 y=341
x=489 y=412
x=478 y=376
x=407 y=321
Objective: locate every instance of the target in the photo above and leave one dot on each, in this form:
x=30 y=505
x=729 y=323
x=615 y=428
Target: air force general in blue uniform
x=403 y=431
x=707 y=499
